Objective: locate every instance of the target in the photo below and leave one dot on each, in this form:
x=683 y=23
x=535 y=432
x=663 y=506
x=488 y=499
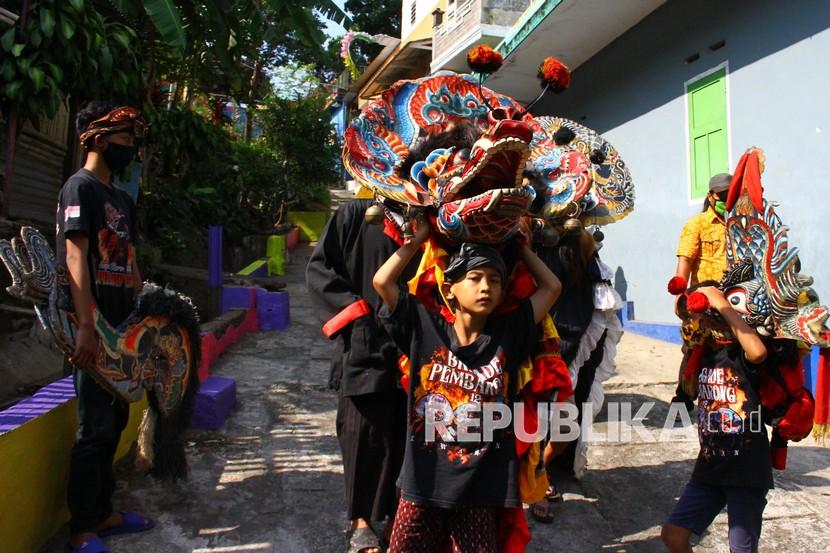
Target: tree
x=166 y=16
x=64 y=49
x=375 y=17
x=299 y=131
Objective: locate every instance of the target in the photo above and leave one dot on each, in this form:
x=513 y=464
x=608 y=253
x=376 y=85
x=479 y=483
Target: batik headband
x=121 y=119
x=473 y=256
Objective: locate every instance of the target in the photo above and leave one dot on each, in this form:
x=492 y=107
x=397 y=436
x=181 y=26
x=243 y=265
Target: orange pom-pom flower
x=483 y=59
x=555 y=73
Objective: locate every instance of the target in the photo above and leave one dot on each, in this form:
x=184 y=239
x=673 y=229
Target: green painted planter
x=311 y=223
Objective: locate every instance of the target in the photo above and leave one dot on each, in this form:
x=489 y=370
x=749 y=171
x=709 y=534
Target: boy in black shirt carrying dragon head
x=455 y=476
x=745 y=336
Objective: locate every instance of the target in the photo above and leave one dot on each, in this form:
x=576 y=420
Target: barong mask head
x=579 y=177
x=474 y=190
x=763 y=283
x=480 y=189
x=155 y=350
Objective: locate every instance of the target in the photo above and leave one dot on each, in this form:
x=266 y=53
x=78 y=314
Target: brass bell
x=374 y=215
x=599 y=236
x=572 y=225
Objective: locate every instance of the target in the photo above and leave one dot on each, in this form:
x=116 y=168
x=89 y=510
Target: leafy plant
x=300 y=132
x=67 y=48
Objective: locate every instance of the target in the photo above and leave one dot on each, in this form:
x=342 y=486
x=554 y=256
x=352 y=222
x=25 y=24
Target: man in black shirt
x=371 y=411
x=95 y=245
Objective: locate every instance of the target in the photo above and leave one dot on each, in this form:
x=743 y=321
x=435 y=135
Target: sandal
x=92 y=545
x=542 y=511
x=552 y=494
x=362 y=540
x=132 y=523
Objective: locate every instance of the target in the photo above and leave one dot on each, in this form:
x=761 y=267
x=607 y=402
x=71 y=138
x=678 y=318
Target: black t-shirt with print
x=734 y=446
x=106 y=216
x=453 y=383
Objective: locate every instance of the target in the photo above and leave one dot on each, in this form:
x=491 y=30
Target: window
x=708 y=140
x=413 y=11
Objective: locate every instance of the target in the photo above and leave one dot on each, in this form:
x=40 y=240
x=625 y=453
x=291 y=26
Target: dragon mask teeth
x=498 y=164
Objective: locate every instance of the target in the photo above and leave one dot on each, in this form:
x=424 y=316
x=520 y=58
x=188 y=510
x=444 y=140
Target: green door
x=708 y=142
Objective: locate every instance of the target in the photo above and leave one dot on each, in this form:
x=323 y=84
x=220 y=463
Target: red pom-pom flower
x=697 y=302
x=677 y=285
x=483 y=59
x=555 y=73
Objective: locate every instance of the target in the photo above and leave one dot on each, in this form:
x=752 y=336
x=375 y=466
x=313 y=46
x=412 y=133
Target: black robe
x=339 y=273
x=574 y=309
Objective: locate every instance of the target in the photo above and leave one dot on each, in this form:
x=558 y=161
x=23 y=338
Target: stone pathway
x=270 y=480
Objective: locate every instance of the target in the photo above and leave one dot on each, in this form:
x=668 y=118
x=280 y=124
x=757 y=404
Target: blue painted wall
x=778 y=81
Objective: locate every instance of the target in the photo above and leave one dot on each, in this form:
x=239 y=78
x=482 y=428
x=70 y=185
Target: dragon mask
x=478 y=191
x=763 y=282
x=156 y=350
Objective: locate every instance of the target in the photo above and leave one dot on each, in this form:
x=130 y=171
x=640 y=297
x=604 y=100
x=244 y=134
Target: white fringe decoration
x=144 y=448
x=606 y=304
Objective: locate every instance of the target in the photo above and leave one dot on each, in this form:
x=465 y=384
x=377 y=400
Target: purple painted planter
x=214 y=256
x=273 y=310
x=214 y=402
x=238 y=297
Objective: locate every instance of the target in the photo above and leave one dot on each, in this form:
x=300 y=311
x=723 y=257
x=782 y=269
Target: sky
x=336 y=29
x=286 y=79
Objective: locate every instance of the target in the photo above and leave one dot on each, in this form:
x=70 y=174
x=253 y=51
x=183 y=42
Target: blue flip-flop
x=92 y=545
x=132 y=523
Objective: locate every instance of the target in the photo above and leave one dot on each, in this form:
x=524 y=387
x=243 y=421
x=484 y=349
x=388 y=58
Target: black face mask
x=118 y=156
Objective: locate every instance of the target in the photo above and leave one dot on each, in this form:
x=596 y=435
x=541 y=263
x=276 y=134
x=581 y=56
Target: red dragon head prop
x=476 y=191
x=479 y=191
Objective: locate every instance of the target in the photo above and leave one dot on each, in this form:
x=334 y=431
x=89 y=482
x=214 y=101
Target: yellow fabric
x=703 y=241
x=548 y=329
x=532 y=484
x=364 y=193
x=429 y=259
x=525 y=373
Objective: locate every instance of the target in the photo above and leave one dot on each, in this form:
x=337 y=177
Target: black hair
x=597 y=156
x=91 y=111
x=571 y=256
x=783 y=351
x=462 y=134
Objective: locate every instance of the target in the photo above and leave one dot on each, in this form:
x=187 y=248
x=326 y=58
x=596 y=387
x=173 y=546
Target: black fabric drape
x=339 y=273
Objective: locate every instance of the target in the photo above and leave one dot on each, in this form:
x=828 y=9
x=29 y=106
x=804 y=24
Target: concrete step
x=340 y=196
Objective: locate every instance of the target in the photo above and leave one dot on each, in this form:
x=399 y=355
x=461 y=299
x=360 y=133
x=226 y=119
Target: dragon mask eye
x=737 y=298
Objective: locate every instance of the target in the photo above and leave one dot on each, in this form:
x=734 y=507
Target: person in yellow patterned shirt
x=701 y=253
